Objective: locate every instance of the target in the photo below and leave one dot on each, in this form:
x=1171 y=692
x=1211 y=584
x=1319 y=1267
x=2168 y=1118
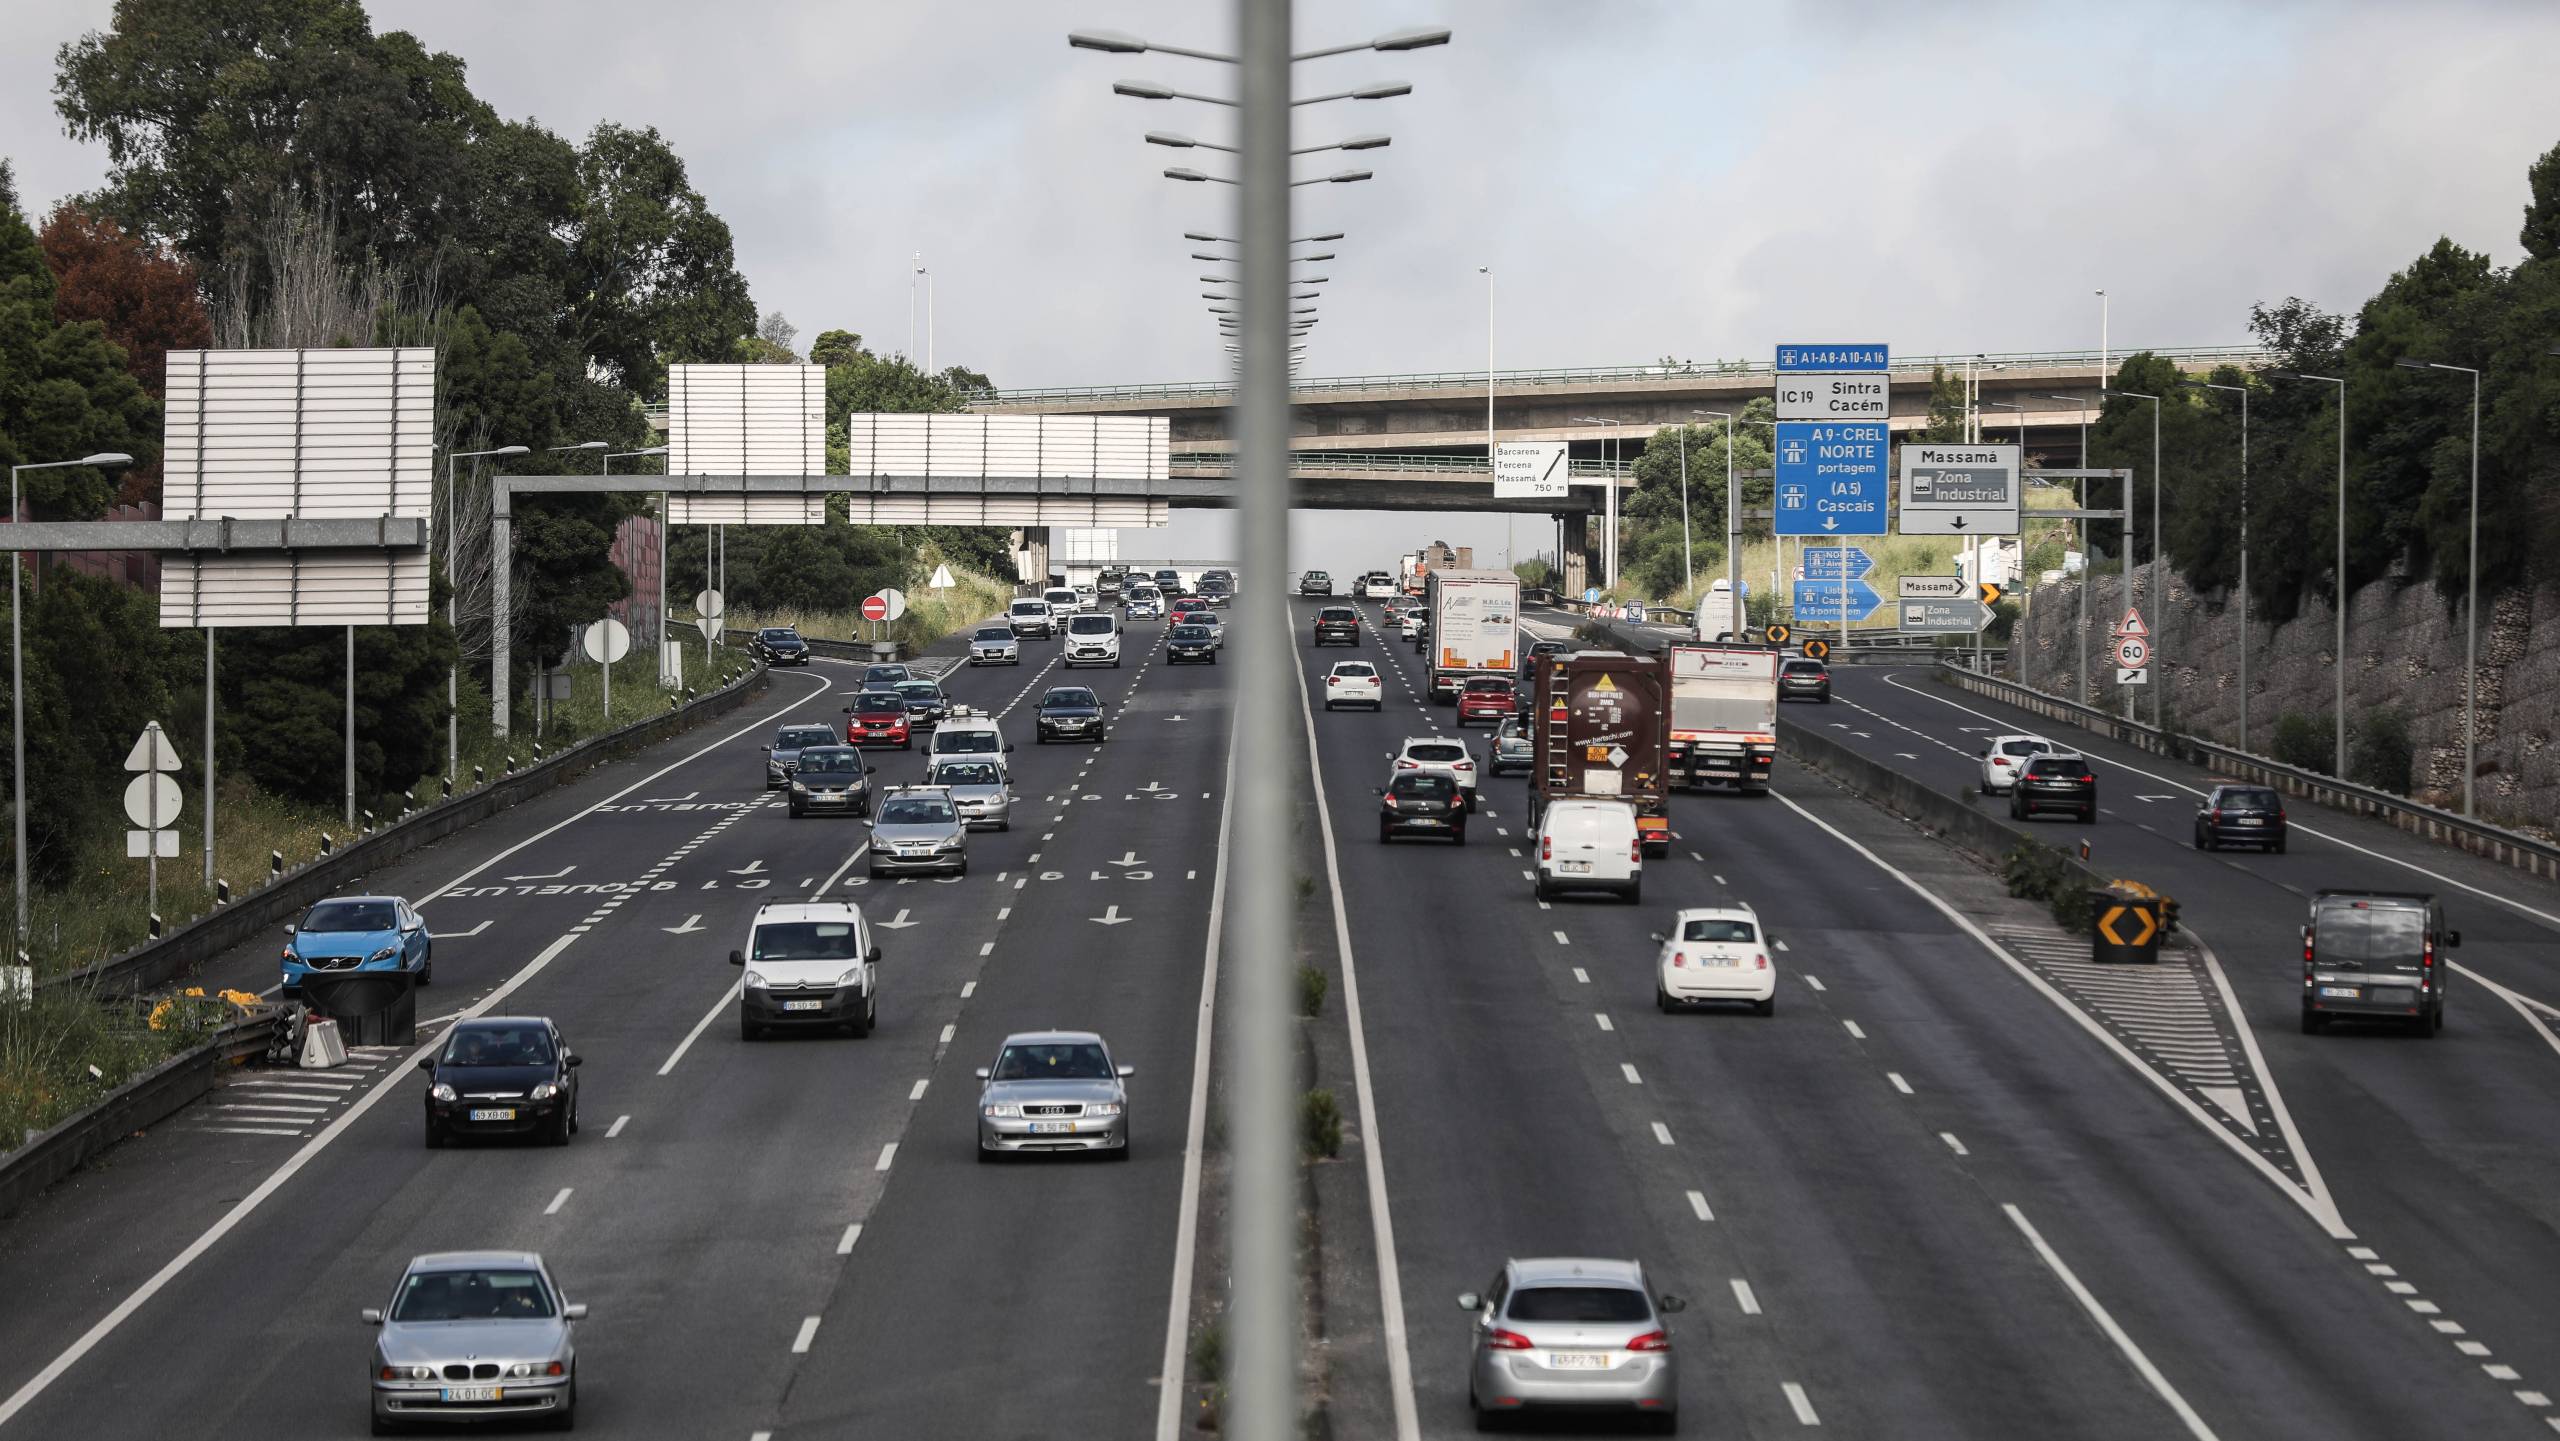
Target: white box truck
x=1719 y=619
x=1724 y=716
x=1475 y=626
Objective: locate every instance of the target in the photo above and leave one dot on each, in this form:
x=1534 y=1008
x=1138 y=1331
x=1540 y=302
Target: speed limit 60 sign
x=2132 y=652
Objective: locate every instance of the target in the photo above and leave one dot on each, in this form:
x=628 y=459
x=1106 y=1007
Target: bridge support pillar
x=1031 y=555
x=1575 y=539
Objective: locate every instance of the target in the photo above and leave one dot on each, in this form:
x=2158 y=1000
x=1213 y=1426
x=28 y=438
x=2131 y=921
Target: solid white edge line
x=2525 y=1006
x=823 y=687
x=2320 y=1209
x=1186 y=1235
x=1373 y=1153
x=2266 y=1075
x=35 y=1385
x=732 y=992
x=840 y=870
x=2141 y=1363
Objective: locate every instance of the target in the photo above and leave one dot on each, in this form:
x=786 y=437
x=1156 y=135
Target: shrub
x=1312 y=985
x=2379 y=751
x=1319 y=1125
x=2038 y=872
x=2304 y=741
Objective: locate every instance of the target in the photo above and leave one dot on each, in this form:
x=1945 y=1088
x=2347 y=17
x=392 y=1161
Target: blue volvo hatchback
x=358 y=933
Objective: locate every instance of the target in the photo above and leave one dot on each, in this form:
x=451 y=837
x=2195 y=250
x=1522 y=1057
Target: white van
x=808 y=963
x=1586 y=845
x=1092 y=639
x=1031 y=617
x=1062 y=600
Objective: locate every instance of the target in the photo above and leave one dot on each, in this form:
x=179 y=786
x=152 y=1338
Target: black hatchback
x=1069 y=713
x=2055 y=781
x=502 y=1076
x=2240 y=816
x=1420 y=803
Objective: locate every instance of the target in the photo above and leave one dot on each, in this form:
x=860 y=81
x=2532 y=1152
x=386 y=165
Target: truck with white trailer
x=1474 y=619
x=1724 y=715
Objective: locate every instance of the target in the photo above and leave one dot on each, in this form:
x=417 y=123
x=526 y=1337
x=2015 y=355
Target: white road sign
x=1530 y=470
x=151 y=845
x=152 y=800
x=942 y=576
x=1959 y=490
x=606 y=641
x=1938 y=617
x=1843 y=395
x=1934 y=587
x=2132 y=652
x=706 y=603
x=896 y=601
x=151 y=751
x=2133 y=677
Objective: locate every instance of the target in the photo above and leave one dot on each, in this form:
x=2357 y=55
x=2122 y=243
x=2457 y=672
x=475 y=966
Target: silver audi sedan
x=475 y=1336
x=1054 y=1091
x=1572 y=1334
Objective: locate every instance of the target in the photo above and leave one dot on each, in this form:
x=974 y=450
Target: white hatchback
x=1354 y=682
x=1410 y=624
x=1448 y=757
x=1715 y=953
x=1589 y=845
x=2005 y=756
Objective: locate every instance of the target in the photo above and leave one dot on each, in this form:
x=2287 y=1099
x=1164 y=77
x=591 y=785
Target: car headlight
x=799 y=787
x=521 y=1368
x=948 y=846
x=386 y=953
x=850 y=978
x=1103 y=1108
x=756 y=981
x=442 y=1092
x=1001 y=1112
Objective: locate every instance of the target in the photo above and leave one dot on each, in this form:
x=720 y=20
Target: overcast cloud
x=1646 y=179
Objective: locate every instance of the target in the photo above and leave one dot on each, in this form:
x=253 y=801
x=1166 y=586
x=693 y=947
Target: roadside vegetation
x=62 y=1050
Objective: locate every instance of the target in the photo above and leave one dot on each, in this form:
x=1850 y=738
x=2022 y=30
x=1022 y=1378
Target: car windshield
x=1594 y=1304
x=2054 y=766
x=1053 y=1061
x=878 y=673
x=880 y=703
x=490 y=1293
x=994 y=632
x=781 y=633
x=1483 y=685
x=498 y=1046
x=1191 y=632
x=1804 y=667
x=968 y=742
x=351 y=916
x=2239 y=799
x=1340 y=612
x=1089 y=625
x=831 y=762
x=915 y=811
x=805 y=941
x=1431 y=787
x=1030 y=607
x=1511 y=730
x=924 y=690
x=1719 y=929
x=2353 y=932
x=1438 y=753
x=1069 y=698
x=795 y=738
x=2021 y=748
x=964 y=773
x=1354 y=668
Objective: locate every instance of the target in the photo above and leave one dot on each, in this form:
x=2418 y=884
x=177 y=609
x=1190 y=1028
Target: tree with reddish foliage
x=145 y=296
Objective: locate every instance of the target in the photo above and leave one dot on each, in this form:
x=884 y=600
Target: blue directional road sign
x=1831 y=478
x=1835 y=601
x=1836 y=562
x=1804 y=359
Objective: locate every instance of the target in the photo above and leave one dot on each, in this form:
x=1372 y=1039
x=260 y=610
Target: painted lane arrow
x=1111 y=917
x=751 y=869
x=1128 y=858
x=691 y=924
x=457 y=935
x=555 y=875
x=901 y=923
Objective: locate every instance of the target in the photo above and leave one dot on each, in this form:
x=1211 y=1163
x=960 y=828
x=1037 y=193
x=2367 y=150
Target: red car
x=1487 y=698
x=1186 y=606
x=878 y=718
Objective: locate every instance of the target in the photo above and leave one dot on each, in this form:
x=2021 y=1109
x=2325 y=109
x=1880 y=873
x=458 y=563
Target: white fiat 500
x=1716 y=954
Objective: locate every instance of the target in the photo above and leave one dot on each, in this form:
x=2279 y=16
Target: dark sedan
x=830 y=780
x=502 y=1076
x=779 y=645
x=927 y=706
x=2240 y=816
x=1419 y=803
x=781 y=756
x=1070 y=713
x=1804 y=680
x=2055 y=782
x=1191 y=643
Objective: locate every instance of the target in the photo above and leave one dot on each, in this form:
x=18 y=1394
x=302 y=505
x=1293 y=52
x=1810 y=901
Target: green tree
x=1946 y=407
x=1649 y=551
x=96 y=671
x=656 y=272
x=65 y=390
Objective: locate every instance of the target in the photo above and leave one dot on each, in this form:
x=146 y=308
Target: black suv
x=779 y=645
x=1315 y=582
x=1337 y=623
x=1804 y=680
x=1422 y=803
x=2236 y=815
x=2375 y=955
x=2055 y=781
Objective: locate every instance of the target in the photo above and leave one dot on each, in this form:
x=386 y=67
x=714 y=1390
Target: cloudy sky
x=1698 y=179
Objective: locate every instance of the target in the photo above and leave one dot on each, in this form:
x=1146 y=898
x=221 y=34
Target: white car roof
x=1360 y=667
x=1735 y=912
x=807 y=911
x=2020 y=736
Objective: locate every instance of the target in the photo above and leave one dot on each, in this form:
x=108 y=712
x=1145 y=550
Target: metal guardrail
x=2535 y=857
x=1905 y=365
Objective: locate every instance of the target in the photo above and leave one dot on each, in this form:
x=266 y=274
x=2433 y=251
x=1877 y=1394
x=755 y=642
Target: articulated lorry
x=1724 y=715
x=1474 y=618
x=1599 y=728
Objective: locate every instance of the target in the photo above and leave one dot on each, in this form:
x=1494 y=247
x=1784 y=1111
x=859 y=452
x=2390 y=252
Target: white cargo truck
x=1475 y=626
x=1719 y=619
x=1724 y=716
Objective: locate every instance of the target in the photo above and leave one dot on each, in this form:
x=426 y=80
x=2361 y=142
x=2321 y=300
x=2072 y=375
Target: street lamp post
x=2088 y=692
x=452 y=596
x=2338 y=739
x=1487 y=272
x=103 y=460
x=2244 y=549
x=2471 y=587
x=2159 y=606
x=2016 y=632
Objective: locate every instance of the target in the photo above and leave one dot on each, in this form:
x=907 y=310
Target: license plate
x=1423 y=821
x=803 y=1005
x=1578 y=1361
x=2344 y=993
x=1574 y=868
x=474 y=1393
x=503 y=1113
x=1053 y=1128
x=1715 y=960
x=2252 y=821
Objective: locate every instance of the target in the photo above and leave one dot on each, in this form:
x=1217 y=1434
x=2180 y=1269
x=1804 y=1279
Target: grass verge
x=63 y=1051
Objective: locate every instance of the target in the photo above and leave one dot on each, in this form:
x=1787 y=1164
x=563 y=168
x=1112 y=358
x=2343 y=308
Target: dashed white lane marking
x=968 y=989
x=986 y=948
x=558 y=1201
x=616 y=1128
x=1743 y=1297
x=808 y=1333
x=1581 y=977
x=1781 y=945
x=1815 y=982
x=1004 y=913
x=1629 y=1070
x=918 y=1093
x=1852 y=1028
x=844 y=1243
x=1662 y=1133
x=1953 y=1144
x=2185 y=1413
x=1698 y=1203
x=1802 y=1403
x=888 y=1153
x=1899 y=1084
x=1603 y=1018
x=948 y=1032
x=1562 y=939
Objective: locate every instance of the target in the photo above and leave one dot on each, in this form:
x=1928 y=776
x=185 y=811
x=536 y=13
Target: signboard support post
x=351 y=726
x=208 y=757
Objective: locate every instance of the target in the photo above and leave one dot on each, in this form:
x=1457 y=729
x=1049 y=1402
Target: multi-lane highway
x=1958 y=1185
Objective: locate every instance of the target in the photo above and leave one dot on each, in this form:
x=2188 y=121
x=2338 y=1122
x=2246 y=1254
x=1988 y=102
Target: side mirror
x=848 y=710
x=737 y=958
x=2452 y=939
x=370 y=1315
x=872 y=955
x=1377 y=790
x=982 y=1073
x=288 y=928
x=1653 y=935
x=768 y=750
x=1470 y=1301
x=1670 y=1304
x=1008 y=747
x=1127 y=1071
x=866 y=770
x=573 y=1060
x=427 y=1064
x=575 y=1310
